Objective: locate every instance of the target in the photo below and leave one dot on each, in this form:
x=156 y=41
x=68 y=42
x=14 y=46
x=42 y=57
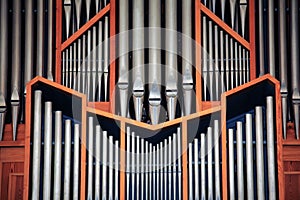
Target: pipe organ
x=149 y=99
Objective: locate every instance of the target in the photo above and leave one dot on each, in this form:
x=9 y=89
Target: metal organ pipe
x=67 y=161
x=50 y=41
x=249 y=157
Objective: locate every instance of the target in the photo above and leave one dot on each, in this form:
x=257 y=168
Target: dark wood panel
x=15 y=190
x=292 y=185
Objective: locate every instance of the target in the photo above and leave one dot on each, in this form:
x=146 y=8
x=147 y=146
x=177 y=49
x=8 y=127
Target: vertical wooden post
x=122 y=185
x=185 y=181
x=83 y=149
x=58 y=32
x=198 y=57
x=112 y=76
x=224 y=146
x=252 y=39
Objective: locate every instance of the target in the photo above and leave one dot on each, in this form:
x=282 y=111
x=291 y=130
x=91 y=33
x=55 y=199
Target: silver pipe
x=174 y=148
x=3 y=65
x=67 y=69
x=158 y=167
x=202 y=158
x=214 y=6
x=152 y=178
x=217 y=160
x=231 y=164
x=47 y=150
x=123 y=79
x=78 y=74
x=209 y=163
x=241 y=76
x=237 y=83
x=67 y=9
x=247 y=66
x=67 y=162
x=171 y=58
x=97 y=5
x=283 y=64
x=240 y=164
x=138 y=170
x=71 y=68
x=63 y=68
x=98 y=163
x=270 y=148
x=133 y=164
x=40 y=37
x=128 y=170
x=259 y=153
x=223 y=3
x=83 y=73
x=295 y=63
x=187 y=82
x=104 y=164
x=261 y=38
x=110 y=166
x=88 y=7
x=196 y=170
x=106 y=58
x=222 y=67
x=271 y=43
x=142 y=170
x=36 y=144
x=116 y=187
x=231 y=63
x=50 y=41
x=147 y=169
x=88 y=67
x=170 y=167
x=138 y=58
x=232 y=12
x=16 y=66
x=94 y=65
x=78 y=4
x=75 y=59
x=217 y=70
x=161 y=166
x=99 y=57
x=28 y=42
x=165 y=163
x=191 y=171
x=205 y=58
x=210 y=60
x=243 y=11
x=57 y=156
x=154 y=60
x=76 y=163
x=179 y=162
x=227 y=58
x=244 y=66
x=249 y=157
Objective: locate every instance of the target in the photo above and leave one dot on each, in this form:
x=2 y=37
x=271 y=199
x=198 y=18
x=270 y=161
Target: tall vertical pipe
x=128 y=169
x=147 y=167
x=236 y=68
x=106 y=57
x=50 y=41
x=133 y=164
x=191 y=172
x=179 y=161
x=217 y=160
x=216 y=64
x=170 y=167
x=154 y=60
x=187 y=82
x=3 y=64
x=142 y=169
x=243 y=11
x=171 y=57
x=232 y=84
x=67 y=9
x=270 y=148
x=271 y=35
x=94 y=64
x=98 y=163
x=174 y=148
x=100 y=57
x=202 y=155
x=223 y=3
x=204 y=58
x=165 y=163
x=67 y=161
x=116 y=186
x=222 y=67
x=241 y=74
x=151 y=169
x=90 y=158
x=259 y=153
x=138 y=57
x=161 y=166
x=57 y=156
x=283 y=64
x=88 y=8
x=227 y=58
x=36 y=157
x=295 y=63
x=63 y=78
x=67 y=71
x=71 y=68
x=110 y=166
x=210 y=61
x=231 y=164
x=83 y=69
x=196 y=170
x=138 y=171
x=261 y=38
x=249 y=157
x=240 y=163
x=75 y=66
x=232 y=12
x=16 y=66
x=88 y=67
x=104 y=164
x=40 y=36
x=28 y=41
x=76 y=170
x=123 y=79
x=78 y=4
x=47 y=150
x=209 y=163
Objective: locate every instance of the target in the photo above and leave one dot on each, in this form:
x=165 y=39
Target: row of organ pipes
x=153 y=169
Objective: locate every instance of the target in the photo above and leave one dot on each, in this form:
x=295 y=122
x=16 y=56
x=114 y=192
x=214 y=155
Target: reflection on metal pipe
x=231 y=164
x=76 y=175
x=259 y=153
x=78 y=74
x=90 y=158
x=28 y=41
x=169 y=161
x=270 y=148
x=75 y=59
x=50 y=41
x=40 y=35
x=83 y=73
x=57 y=156
x=202 y=155
x=165 y=163
x=67 y=162
x=240 y=163
x=36 y=157
x=217 y=160
x=47 y=150
x=271 y=42
x=16 y=66
x=249 y=157
x=147 y=166
x=261 y=38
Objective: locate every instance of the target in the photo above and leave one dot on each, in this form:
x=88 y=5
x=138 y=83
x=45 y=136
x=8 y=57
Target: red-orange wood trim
x=198 y=56
x=224 y=147
x=112 y=69
x=122 y=185
x=185 y=181
x=58 y=32
x=224 y=26
x=252 y=40
x=85 y=27
x=104 y=106
x=83 y=150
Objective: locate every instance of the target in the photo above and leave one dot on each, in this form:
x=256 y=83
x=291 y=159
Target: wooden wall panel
x=292 y=185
